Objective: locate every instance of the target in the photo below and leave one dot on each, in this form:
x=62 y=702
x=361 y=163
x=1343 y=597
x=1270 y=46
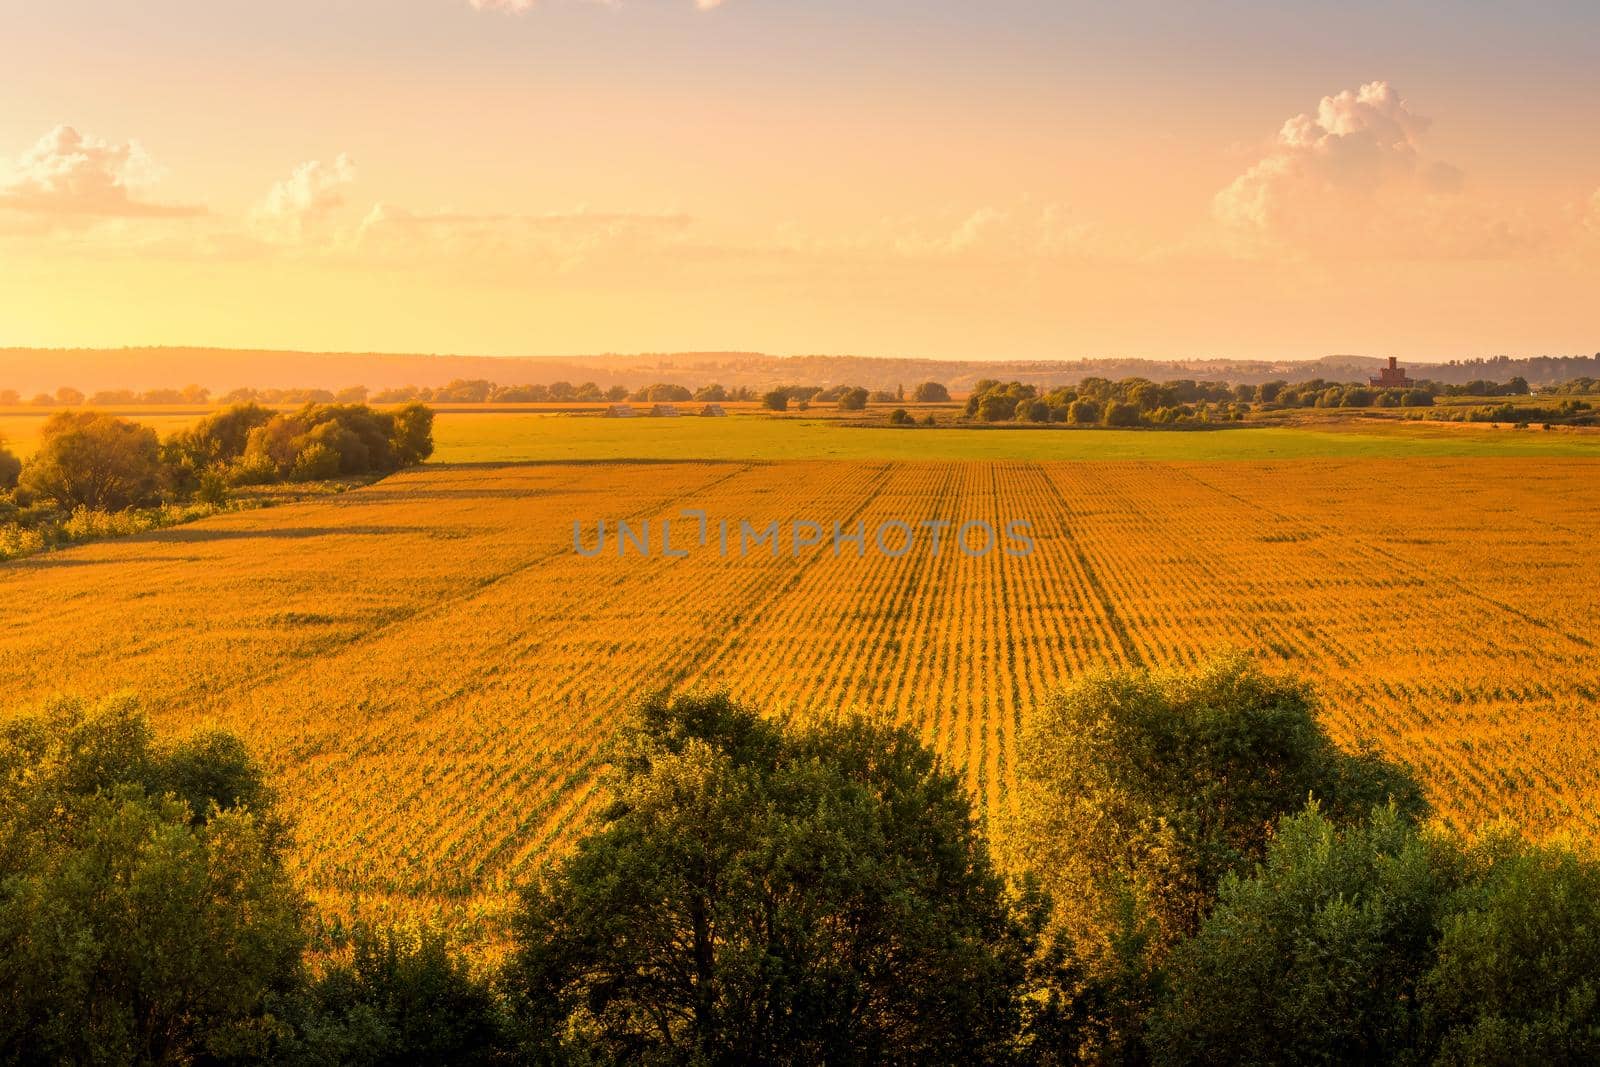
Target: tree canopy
x=820 y=894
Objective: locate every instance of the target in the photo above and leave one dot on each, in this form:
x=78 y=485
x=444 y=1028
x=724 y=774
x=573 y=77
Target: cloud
x=513 y=243
x=297 y=206
x=1020 y=232
x=1353 y=178
x=67 y=174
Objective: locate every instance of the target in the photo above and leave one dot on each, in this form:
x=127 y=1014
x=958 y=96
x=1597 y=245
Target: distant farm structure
x=620 y=411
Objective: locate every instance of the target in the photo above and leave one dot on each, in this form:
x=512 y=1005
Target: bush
x=901 y=417
x=775 y=400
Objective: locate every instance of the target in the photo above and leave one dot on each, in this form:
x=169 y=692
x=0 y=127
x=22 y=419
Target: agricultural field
x=432 y=672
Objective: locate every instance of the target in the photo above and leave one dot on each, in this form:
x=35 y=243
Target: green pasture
x=521 y=437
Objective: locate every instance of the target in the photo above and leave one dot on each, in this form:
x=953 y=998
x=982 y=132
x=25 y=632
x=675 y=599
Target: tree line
x=1194 y=873
x=91 y=465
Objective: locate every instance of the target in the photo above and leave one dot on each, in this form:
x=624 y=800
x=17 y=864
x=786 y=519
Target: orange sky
x=1015 y=179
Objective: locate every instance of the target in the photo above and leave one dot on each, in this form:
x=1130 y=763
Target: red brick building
x=1391 y=377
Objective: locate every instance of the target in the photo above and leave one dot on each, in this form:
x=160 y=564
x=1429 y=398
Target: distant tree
x=411 y=438
x=760 y=896
x=1121 y=413
x=853 y=399
x=354 y=394
x=561 y=391
x=109 y=397
x=162 y=396
x=884 y=396
x=10 y=467
x=521 y=394
x=68 y=396
x=9 y=398
x=663 y=393
x=217 y=439
x=464 y=391
x=1083 y=412
x=42 y=400
x=713 y=393
x=160 y=909
x=931 y=393
x=900 y=417
x=775 y=400
x=95 y=460
x=199 y=394
x=617 y=394
x=1033 y=411
x=588 y=392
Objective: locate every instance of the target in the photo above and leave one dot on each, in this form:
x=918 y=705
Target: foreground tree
x=398 y=997
x=1382 y=943
x=145 y=913
x=755 y=895
x=1152 y=786
x=1317 y=957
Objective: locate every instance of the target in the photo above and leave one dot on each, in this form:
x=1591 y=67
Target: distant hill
x=30 y=371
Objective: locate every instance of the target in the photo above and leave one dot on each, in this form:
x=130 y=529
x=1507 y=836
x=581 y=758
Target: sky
x=948 y=178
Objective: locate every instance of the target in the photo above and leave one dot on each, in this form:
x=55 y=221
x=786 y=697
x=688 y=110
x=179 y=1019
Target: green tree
x=1149 y=787
x=400 y=997
x=853 y=399
x=1317 y=956
x=775 y=400
x=756 y=895
x=1083 y=412
x=931 y=393
x=411 y=439
x=10 y=467
x=95 y=460
x=1517 y=973
x=139 y=881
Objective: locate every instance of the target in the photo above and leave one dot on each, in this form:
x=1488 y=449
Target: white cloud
x=296 y=206
x=1354 y=178
x=68 y=174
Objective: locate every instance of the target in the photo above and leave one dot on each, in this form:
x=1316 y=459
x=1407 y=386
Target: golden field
x=432 y=672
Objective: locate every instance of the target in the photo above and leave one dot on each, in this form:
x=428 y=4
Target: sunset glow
x=1015 y=179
